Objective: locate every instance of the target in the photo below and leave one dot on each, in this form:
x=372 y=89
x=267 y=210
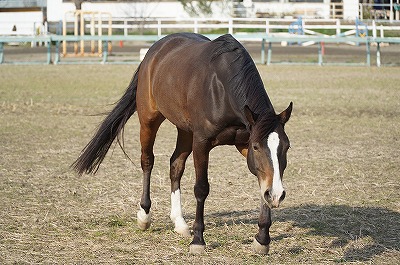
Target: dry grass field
x=342 y=180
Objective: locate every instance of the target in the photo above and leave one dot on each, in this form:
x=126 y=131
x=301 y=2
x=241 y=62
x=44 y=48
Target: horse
x=213 y=93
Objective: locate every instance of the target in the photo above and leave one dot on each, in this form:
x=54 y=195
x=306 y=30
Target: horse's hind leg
x=148 y=131
x=177 y=163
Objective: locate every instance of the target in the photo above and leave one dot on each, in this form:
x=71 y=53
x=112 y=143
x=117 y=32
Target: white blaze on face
x=277 y=187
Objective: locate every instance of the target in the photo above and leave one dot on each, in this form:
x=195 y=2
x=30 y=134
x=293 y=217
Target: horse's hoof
x=143 y=226
x=197 y=249
x=143 y=220
x=181 y=227
x=183 y=231
x=260 y=249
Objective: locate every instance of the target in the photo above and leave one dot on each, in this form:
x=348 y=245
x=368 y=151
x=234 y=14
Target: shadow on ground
x=344 y=225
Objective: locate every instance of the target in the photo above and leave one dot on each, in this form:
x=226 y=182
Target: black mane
x=246 y=84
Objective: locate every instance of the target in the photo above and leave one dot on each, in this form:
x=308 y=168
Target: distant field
x=342 y=180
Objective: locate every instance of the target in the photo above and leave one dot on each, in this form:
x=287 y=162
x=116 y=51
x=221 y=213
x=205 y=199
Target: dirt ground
x=342 y=179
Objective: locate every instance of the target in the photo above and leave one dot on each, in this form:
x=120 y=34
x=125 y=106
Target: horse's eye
x=255 y=147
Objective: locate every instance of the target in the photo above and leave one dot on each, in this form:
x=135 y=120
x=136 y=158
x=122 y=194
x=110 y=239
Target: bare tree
x=78 y=4
x=197 y=8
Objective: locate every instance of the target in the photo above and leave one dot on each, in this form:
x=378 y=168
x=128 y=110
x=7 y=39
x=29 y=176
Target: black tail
x=111 y=128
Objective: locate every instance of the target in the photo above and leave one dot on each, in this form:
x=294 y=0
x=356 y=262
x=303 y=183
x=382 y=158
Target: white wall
x=350 y=9
x=56 y=9
x=289 y=9
x=24 y=21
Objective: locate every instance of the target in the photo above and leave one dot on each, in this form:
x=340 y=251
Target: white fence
x=162 y=26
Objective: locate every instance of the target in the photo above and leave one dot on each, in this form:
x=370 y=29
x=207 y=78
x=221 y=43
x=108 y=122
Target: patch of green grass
x=116 y=221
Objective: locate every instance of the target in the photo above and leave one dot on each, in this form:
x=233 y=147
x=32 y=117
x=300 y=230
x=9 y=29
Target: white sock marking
x=143 y=217
x=176 y=214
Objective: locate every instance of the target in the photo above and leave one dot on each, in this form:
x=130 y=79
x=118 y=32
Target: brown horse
x=212 y=92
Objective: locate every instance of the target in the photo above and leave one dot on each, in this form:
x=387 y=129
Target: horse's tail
x=112 y=127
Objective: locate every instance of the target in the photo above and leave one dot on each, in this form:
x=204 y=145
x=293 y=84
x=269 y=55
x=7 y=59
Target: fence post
x=368 y=44
x=263 y=51
x=49 y=52
x=320 y=54
x=269 y=53
x=105 y=51
x=378 y=54
x=159 y=27
x=391 y=11
x=196 y=27
x=338 y=30
x=230 y=29
x=1 y=53
x=373 y=28
x=57 y=54
x=267 y=27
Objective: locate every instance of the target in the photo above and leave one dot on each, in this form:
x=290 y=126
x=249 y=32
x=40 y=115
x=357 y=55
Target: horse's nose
x=274 y=200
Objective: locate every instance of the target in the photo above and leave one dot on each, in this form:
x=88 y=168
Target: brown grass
x=342 y=180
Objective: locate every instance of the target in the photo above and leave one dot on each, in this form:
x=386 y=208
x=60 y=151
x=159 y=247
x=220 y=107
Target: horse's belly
x=175 y=113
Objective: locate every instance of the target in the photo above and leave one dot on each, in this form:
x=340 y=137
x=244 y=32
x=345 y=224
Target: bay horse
x=212 y=92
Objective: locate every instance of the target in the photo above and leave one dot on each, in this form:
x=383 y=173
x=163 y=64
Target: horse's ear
x=250 y=116
x=285 y=115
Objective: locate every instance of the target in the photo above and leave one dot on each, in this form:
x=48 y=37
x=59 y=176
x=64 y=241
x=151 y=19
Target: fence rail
x=162 y=26
x=262 y=38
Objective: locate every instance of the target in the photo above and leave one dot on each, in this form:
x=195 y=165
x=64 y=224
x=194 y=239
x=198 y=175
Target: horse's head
x=266 y=155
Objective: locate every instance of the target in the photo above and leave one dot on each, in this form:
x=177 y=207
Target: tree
x=78 y=4
x=197 y=8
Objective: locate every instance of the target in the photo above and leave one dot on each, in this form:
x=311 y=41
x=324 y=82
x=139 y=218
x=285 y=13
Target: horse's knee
x=147 y=161
x=201 y=191
x=177 y=166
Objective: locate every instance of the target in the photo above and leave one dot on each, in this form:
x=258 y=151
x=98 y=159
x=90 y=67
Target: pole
x=269 y=55
x=48 y=52
x=263 y=51
x=105 y=52
x=76 y=32
x=391 y=11
x=321 y=51
x=64 y=33
x=378 y=54
x=368 y=44
x=82 y=34
x=57 y=54
x=92 y=33
x=1 y=53
x=109 y=32
x=100 y=33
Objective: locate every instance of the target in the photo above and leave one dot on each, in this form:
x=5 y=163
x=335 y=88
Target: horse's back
x=171 y=45
x=181 y=79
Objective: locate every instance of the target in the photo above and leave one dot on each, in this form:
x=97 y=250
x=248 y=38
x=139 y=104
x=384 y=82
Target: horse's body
x=212 y=92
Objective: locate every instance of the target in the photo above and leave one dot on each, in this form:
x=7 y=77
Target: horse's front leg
x=182 y=151
x=201 y=151
x=262 y=239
